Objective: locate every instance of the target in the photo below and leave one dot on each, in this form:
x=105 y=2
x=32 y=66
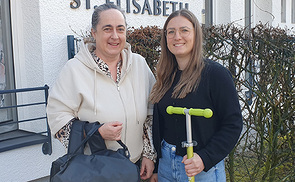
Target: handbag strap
x=71 y=151
x=77 y=128
x=80 y=148
x=127 y=154
x=76 y=136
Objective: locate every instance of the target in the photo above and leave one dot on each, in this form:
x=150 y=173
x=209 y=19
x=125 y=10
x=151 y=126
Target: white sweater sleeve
x=63 y=100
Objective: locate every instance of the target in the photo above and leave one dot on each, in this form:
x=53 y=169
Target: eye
x=107 y=29
x=184 y=30
x=170 y=32
x=121 y=30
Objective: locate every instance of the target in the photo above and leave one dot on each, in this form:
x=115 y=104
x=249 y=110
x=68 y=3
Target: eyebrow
x=180 y=27
x=109 y=25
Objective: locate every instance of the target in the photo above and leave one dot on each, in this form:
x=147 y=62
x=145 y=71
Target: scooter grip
x=175 y=110
x=207 y=113
x=190 y=154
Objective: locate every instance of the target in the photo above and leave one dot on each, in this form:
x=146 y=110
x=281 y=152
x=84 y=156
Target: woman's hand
x=147 y=168
x=111 y=130
x=194 y=165
x=154 y=178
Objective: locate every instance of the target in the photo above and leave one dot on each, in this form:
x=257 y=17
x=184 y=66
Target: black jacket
x=216 y=136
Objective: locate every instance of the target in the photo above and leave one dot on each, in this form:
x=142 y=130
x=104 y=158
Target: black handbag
x=103 y=165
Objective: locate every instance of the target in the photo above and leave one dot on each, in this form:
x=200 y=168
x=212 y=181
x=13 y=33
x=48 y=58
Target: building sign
x=150 y=7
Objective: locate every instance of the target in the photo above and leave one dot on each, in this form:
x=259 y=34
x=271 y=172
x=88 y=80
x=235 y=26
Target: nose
x=114 y=34
x=177 y=34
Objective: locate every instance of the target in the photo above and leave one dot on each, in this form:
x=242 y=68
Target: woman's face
x=180 y=36
x=110 y=34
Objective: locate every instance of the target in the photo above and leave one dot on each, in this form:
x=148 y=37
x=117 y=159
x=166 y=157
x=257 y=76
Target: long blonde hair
x=167 y=66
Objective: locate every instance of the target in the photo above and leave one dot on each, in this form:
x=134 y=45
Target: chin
x=114 y=52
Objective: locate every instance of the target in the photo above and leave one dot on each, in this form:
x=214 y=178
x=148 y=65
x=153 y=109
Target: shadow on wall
x=44 y=179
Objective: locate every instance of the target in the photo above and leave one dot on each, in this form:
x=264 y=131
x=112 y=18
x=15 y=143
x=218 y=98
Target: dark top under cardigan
x=216 y=136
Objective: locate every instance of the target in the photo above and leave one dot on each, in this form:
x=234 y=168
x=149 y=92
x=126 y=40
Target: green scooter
x=189 y=144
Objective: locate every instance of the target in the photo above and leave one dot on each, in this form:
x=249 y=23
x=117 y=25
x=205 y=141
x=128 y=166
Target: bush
x=262 y=63
x=146 y=42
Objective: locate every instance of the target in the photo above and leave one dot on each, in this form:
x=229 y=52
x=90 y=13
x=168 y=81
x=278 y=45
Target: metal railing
x=24 y=136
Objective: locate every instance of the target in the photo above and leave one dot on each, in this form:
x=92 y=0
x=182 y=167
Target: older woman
x=185 y=79
x=108 y=83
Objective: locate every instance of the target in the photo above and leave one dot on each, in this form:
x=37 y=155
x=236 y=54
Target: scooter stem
x=190 y=146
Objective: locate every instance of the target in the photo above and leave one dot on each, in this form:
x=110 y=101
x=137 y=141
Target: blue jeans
x=171 y=169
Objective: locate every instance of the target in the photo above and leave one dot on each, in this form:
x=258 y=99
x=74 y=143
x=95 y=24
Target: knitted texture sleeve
x=227 y=110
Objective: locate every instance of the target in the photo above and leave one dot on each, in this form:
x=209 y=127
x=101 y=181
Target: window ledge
x=20 y=138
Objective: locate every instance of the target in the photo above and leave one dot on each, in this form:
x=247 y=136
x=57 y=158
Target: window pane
x=283 y=11
x=2 y=64
x=293 y=12
x=208 y=13
x=6 y=114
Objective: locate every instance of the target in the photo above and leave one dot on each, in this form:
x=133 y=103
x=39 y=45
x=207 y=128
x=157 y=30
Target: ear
x=93 y=33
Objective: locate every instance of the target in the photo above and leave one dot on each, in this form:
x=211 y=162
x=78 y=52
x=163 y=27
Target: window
x=6 y=69
x=293 y=12
x=208 y=13
x=20 y=109
x=283 y=11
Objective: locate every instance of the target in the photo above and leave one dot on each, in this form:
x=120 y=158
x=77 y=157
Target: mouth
x=114 y=44
x=178 y=45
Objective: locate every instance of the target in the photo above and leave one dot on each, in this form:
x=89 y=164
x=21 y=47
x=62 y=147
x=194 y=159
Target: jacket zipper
x=118 y=89
x=125 y=132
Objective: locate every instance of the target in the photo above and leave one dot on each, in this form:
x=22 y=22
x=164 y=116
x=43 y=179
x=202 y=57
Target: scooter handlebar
x=207 y=113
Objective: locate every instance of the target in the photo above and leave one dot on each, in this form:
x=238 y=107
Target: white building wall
x=276 y=11
x=222 y=12
x=229 y=11
x=27 y=163
x=270 y=12
x=262 y=12
x=238 y=12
